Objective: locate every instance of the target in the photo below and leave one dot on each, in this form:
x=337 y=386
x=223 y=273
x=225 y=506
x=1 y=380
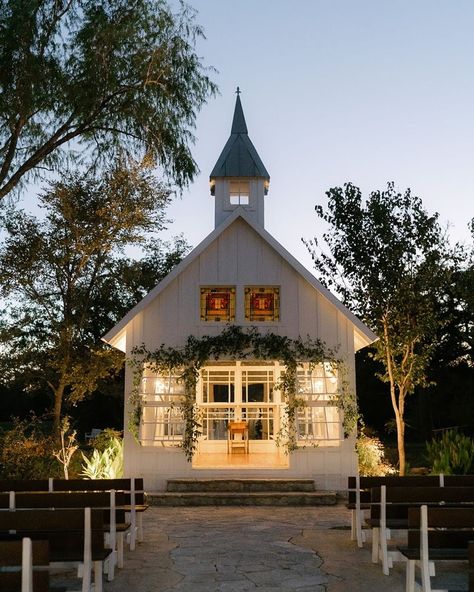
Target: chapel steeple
x=239 y=177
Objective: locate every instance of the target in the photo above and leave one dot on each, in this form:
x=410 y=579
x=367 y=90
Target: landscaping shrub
x=371 y=455
x=105 y=464
x=105 y=439
x=26 y=452
x=451 y=454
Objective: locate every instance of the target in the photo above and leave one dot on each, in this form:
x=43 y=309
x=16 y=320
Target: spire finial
x=238 y=124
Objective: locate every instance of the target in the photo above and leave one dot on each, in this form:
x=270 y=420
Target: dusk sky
x=366 y=91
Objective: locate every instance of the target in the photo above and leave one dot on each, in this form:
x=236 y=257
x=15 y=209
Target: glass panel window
x=217 y=304
x=319 y=420
x=262 y=304
x=218 y=386
x=257 y=385
x=162 y=419
x=215 y=421
x=238 y=393
x=239 y=191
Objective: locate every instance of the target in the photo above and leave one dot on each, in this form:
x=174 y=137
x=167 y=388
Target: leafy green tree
x=388 y=260
x=58 y=276
x=449 y=402
x=88 y=77
x=457 y=337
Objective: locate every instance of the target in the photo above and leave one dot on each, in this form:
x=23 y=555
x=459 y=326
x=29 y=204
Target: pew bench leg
x=109 y=565
x=120 y=545
x=353 y=525
x=132 y=533
x=98 y=576
x=375 y=544
x=410 y=576
x=140 y=526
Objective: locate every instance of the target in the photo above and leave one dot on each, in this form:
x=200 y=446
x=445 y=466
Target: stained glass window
x=217 y=304
x=262 y=304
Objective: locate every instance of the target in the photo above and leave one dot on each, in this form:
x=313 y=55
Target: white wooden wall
x=239 y=257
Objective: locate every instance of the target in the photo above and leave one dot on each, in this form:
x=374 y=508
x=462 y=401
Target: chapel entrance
x=239 y=392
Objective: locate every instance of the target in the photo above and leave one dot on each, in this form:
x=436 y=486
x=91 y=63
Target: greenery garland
x=235 y=343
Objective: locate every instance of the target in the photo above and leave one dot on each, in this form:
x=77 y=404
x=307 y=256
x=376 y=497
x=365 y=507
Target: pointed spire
x=239 y=157
x=238 y=123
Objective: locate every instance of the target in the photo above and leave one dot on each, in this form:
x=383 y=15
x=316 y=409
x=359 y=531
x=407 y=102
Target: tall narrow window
x=319 y=419
x=262 y=304
x=217 y=304
x=162 y=420
x=239 y=192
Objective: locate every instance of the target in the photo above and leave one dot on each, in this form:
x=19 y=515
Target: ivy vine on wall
x=235 y=343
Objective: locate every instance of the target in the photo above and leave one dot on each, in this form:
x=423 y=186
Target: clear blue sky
x=367 y=91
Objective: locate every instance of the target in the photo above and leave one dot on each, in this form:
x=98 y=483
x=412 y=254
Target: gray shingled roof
x=239 y=157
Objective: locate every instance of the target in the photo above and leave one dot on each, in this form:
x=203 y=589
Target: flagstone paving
x=240 y=549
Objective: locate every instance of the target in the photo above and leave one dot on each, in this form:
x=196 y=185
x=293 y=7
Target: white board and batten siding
x=239 y=257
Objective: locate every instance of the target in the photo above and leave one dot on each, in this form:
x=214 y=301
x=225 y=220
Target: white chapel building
x=239 y=275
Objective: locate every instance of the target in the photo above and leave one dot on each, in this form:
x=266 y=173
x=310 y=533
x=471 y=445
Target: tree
x=58 y=276
x=457 y=339
x=388 y=261
x=88 y=77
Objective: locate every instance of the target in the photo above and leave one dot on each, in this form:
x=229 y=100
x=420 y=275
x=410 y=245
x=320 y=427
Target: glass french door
x=239 y=392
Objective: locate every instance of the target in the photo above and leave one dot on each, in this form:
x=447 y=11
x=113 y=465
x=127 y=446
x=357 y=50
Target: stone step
x=262 y=498
x=239 y=485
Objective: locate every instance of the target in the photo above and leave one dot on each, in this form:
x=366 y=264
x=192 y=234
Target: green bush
x=371 y=455
x=105 y=464
x=451 y=454
x=105 y=439
x=26 y=452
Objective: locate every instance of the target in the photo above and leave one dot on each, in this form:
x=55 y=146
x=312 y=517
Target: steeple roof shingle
x=239 y=158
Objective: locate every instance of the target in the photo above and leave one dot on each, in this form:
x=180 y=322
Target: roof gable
x=363 y=334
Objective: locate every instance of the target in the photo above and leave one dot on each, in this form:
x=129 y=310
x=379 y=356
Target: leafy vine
x=235 y=343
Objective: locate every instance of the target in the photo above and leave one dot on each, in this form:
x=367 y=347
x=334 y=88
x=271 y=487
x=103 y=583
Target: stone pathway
x=266 y=549
x=237 y=551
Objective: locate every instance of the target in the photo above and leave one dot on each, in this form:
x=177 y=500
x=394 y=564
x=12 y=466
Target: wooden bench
x=18 y=558
x=436 y=534
x=75 y=538
x=389 y=510
x=134 y=501
x=24 y=485
x=359 y=489
x=113 y=506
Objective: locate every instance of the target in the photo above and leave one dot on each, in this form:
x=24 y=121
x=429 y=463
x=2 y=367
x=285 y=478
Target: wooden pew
x=17 y=561
x=436 y=534
x=75 y=538
x=389 y=510
x=24 y=484
x=111 y=503
x=135 y=497
x=359 y=489
x=134 y=501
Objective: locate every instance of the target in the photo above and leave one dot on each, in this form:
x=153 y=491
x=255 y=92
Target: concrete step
x=239 y=485
x=262 y=498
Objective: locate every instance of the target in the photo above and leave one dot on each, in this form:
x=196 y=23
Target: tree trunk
x=401 y=443
x=397 y=404
x=58 y=402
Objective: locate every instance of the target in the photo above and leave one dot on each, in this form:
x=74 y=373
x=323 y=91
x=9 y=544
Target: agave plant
x=107 y=464
x=451 y=454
